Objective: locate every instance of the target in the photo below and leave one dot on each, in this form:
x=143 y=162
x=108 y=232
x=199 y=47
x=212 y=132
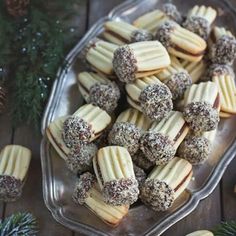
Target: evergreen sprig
x=34 y=48
x=226 y=229
x=19 y=224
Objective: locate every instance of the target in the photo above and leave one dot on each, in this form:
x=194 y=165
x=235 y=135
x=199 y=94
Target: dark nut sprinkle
x=121 y=192
x=178 y=83
x=141 y=35
x=105 y=96
x=156 y=101
x=195 y=149
x=10 y=188
x=171 y=11
x=201 y=116
x=198 y=25
x=83 y=185
x=223 y=51
x=140 y=175
x=126 y=135
x=163 y=33
x=157 y=194
x=124 y=64
x=142 y=161
x=157 y=147
x=80 y=158
x=76 y=131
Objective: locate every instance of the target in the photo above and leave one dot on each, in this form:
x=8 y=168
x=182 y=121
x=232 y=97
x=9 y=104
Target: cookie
x=99 y=54
x=14 y=165
x=127 y=130
x=165 y=183
x=181 y=42
x=151 y=20
x=150 y=96
x=201 y=233
x=85 y=125
x=176 y=78
x=120 y=33
x=196 y=148
x=201 y=106
x=160 y=143
x=199 y=20
x=195 y=69
x=137 y=60
x=99 y=90
x=222 y=46
x=114 y=170
x=86 y=192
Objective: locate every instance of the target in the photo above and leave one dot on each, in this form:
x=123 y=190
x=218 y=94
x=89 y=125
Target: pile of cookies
x=155 y=91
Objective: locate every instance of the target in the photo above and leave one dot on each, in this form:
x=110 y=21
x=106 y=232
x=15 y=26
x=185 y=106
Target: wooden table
x=219 y=206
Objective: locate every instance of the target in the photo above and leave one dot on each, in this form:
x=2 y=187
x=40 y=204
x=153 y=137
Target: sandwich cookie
x=140 y=175
x=140 y=160
x=150 y=96
x=120 y=33
x=127 y=130
x=160 y=143
x=181 y=42
x=197 y=148
x=165 y=183
x=87 y=193
x=99 y=90
x=195 y=69
x=201 y=106
x=199 y=20
x=176 y=78
x=223 y=48
x=14 y=165
x=115 y=174
x=79 y=158
x=223 y=76
x=99 y=54
x=85 y=125
x=137 y=60
x=152 y=20
x=201 y=233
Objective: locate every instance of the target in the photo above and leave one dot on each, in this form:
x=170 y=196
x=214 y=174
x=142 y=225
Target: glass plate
x=58 y=182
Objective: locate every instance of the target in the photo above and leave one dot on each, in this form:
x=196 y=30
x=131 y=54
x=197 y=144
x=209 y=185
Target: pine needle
x=226 y=229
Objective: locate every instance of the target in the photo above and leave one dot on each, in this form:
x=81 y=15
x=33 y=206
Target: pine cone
x=3 y=98
x=17 y=8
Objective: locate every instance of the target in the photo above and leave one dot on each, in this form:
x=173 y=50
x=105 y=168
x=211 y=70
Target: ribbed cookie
x=222 y=46
x=115 y=174
x=99 y=55
x=86 y=124
x=140 y=59
x=150 y=96
x=165 y=183
x=54 y=135
x=127 y=130
x=196 y=148
x=227 y=89
x=181 y=42
x=14 y=165
x=151 y=20
x=201 y=233
x=99 y=90
x=176 y=78
x=201 y=106
x=199 y=20
x=195 y=69
x=87 y=192
x=160 y=143
x=120 y=33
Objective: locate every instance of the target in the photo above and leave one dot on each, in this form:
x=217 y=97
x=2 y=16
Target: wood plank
x=6 y=132
x=228 y=195
x=206 y=216
x=32 y=197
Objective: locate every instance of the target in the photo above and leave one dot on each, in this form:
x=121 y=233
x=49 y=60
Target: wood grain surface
x=220 y=205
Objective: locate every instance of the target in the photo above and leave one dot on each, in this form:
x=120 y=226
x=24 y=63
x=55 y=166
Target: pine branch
x=226 y=229
x=18 y=224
